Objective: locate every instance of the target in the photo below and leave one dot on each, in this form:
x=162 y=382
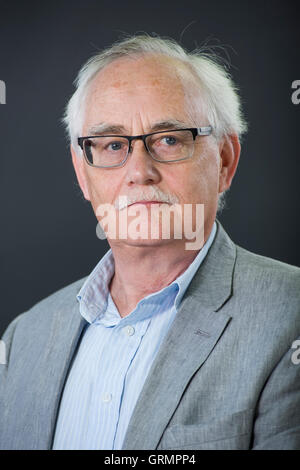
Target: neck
x=142 y=270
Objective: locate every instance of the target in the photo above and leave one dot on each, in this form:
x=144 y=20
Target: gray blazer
x=223 y=378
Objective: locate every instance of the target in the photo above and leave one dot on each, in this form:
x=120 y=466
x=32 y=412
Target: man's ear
x=229 y=150
x=78 y=163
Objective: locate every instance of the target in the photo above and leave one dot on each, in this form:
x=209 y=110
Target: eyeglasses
x=110 y=151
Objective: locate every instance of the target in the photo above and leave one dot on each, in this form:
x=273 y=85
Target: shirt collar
x=94 y=297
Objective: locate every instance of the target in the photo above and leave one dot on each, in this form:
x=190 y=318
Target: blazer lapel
x=195 y=331
x=60 y=352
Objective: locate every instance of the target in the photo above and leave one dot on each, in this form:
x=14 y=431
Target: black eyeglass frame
x=201 y=131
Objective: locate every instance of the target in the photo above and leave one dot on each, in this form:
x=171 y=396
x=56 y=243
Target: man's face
x=134 y=97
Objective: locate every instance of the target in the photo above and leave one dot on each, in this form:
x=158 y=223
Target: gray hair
x=219 y=94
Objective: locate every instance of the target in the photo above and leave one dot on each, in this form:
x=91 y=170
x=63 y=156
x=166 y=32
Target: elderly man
x=164 y=345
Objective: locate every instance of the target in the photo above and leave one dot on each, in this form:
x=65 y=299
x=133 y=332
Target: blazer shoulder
x=63 y=296
x=61 y=300
x=267 y=281
x=253 y=264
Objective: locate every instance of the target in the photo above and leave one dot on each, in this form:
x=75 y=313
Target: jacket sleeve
x=277 y=423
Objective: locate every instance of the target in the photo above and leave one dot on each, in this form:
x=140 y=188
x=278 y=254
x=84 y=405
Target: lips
x=159 y=197
x=146 y=202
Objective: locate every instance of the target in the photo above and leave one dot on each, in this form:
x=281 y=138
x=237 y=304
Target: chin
x=142 y=243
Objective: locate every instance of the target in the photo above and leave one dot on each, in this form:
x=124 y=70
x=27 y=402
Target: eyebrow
x=105 y=128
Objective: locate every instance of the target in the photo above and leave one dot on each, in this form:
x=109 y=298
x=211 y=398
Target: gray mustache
x=152 y=194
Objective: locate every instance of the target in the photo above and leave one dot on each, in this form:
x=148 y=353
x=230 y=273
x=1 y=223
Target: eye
x=115 y=146
x=169 y=140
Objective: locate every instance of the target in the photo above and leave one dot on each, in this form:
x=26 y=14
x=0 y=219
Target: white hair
x=219 y=94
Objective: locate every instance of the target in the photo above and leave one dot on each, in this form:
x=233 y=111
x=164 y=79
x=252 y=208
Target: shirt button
x=106 y=397
x=129 y=330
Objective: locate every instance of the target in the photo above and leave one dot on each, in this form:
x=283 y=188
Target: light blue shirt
x=114 y=358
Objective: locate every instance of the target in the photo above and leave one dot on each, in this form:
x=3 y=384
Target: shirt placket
x=125 y=338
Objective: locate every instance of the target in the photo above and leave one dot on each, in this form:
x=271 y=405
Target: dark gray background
x=47 y=230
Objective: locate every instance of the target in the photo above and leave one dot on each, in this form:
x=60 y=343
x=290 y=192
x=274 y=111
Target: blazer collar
x=212 y=284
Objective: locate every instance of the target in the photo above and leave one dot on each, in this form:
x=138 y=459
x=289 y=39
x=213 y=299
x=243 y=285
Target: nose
x=140 y=167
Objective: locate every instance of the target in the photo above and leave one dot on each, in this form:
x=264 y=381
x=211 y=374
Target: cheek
x=103 y=187
x=197 y=182
x=94 y=186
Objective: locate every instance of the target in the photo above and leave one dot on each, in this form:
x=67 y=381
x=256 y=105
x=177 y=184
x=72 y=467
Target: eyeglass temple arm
x=204 y=130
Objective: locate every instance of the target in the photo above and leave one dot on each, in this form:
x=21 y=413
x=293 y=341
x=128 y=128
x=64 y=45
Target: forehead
x=154 y=87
